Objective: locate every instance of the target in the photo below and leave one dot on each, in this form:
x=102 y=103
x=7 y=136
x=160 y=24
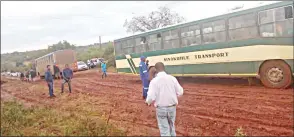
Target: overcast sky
x=34 y=25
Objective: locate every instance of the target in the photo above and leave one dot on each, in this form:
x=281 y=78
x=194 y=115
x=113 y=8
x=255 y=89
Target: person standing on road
x=21 y=76
x=164 y=90
x=89 y=64
x=30 y=75
x=144 y=76
x=152 y=73
x=56 y=71
x=67 y=74
x=27 y=76
x=49 y=80
x=103 y=68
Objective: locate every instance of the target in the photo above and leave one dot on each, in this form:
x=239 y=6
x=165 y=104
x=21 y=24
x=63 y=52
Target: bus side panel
x=65 y=57
x=207 y=68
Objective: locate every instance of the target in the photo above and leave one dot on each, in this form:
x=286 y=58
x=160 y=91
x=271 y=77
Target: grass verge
x=19 y=121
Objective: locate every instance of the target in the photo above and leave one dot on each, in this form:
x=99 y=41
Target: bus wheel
x=276 y=74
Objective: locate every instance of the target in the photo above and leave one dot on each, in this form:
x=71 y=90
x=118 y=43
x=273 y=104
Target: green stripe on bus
x=131 y=67
x=214 y=68
x=241 y=43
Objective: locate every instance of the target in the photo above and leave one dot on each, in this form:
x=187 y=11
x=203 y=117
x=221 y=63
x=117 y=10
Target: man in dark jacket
x=67 y=74
x=49 y=80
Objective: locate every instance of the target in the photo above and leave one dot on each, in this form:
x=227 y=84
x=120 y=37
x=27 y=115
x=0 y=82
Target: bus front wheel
x=276 y=74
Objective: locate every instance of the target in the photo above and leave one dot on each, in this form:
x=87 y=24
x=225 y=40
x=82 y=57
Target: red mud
x=209 y=106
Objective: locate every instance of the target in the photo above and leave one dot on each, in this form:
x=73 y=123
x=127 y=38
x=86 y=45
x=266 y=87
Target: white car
x=15 y=74
x=82 y=66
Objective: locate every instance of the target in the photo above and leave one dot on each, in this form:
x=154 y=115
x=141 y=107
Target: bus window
x=214 y=32
x=276 y=22
x=190 y=36
x=284 y=28
x=154 y=42
x=171 y=39
x=117 y=47
x=140 y=44
x=128 y=46
x=243 y=27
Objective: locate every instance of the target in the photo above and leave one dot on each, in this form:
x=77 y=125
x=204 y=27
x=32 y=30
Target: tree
x=60 y=46
x=156 y=19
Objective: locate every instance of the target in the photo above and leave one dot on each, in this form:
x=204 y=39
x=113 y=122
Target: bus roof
x=231 y=14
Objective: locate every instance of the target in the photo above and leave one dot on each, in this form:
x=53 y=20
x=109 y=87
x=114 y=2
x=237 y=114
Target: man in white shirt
x=164 y=89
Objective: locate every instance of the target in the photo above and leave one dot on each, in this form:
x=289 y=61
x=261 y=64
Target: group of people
x=28 y=75
x=163 y=90
x=67 y=75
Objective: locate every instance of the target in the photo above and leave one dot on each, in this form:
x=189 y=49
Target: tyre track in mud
x=222 y=117
x=109 y=105
x=205 y=109
x=123 y=110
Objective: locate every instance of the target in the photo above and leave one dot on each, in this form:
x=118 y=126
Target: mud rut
x=205 y=109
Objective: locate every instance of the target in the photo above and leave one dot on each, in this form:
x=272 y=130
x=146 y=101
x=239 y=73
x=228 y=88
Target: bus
x=60 y=58
x=256 y=42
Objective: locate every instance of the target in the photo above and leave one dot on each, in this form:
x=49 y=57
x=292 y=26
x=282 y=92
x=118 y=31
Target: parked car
x=15 y=74
x=82 y=66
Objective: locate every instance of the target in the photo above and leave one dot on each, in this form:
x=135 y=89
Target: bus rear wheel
x=276 y=74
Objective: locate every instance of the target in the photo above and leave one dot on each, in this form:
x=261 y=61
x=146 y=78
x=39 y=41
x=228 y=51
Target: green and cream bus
x=256 y=42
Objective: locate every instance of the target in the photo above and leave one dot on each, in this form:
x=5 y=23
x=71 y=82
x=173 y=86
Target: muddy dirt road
x=213 y=107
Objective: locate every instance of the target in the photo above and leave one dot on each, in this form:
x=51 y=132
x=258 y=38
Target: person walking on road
x=67 y=74
x=144 y=76
x=164 y=90
x=49 y=80
x=103 y=68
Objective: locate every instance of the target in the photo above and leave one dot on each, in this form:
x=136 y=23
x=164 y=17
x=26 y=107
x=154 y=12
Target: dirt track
x=213 y=107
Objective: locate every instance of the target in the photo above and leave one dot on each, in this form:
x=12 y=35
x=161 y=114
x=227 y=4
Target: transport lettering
x=198 y=56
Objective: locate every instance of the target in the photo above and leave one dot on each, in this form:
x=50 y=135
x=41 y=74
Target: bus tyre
x=276 y=74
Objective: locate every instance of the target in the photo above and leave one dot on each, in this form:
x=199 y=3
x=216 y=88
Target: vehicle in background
x=60 y=58
x=15 y=74
x=99 y=60
x=96 y=62
x=82 y=66
x=255 y=42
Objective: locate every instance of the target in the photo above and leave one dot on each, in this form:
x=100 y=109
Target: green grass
x=19 y=121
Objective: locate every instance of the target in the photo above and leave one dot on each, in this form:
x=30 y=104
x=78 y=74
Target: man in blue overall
x=144 y=76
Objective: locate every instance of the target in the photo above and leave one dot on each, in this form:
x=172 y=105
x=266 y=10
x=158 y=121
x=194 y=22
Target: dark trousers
x=104 y=74
x=50 y=86
x=69 y=85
